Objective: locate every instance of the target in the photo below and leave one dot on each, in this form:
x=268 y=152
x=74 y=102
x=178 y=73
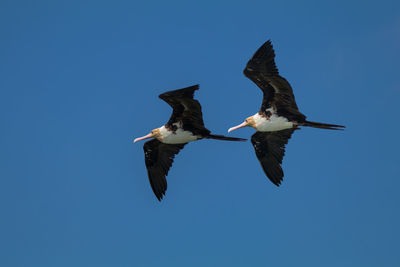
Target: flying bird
x=279 y=115
x=185 y=125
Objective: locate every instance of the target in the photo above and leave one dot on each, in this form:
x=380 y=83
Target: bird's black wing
x=278 y=93
x=270 y=149
x=159 y=158
x=186 y=110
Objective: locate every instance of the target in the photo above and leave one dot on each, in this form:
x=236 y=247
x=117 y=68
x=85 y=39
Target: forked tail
x=322 y=125
x=225 y=138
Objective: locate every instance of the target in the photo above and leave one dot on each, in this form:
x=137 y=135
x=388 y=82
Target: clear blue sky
x=80 y=79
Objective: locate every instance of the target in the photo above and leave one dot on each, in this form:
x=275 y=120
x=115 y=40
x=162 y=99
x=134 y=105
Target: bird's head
x=247 y=122
x=153 y=134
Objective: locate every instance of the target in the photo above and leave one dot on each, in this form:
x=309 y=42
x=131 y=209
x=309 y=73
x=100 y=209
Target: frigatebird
x=279 y=115
x=185 y=125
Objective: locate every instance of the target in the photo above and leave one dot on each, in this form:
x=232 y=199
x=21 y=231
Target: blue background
x=80 y=79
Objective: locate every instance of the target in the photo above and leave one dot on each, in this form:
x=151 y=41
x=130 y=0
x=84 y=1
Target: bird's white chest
x=272 y=124
x=178 y=137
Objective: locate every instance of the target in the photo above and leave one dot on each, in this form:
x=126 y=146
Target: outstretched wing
x=270 y=149
x=262 y=70
x=159 y=158
x=186 y=110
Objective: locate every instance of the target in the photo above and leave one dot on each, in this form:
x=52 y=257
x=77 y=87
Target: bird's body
x=271 y=123
x=179 y=136
x=185 y=125
x=278 y=116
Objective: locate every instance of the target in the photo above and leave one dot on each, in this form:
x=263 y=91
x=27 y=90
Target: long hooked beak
x=244 y=124
x=150 y=135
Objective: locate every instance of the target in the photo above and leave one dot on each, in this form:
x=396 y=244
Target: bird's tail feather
x=323 y=125
x=225 y=138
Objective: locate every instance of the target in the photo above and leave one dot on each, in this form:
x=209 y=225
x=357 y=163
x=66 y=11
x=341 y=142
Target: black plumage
x=277 y=92
x=187 y=112
x=158 y=159
x=185 y=109
x=270 y=150
x=278 y=95
x=186 y=115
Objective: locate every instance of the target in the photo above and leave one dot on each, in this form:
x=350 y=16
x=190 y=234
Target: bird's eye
x=246 y=120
